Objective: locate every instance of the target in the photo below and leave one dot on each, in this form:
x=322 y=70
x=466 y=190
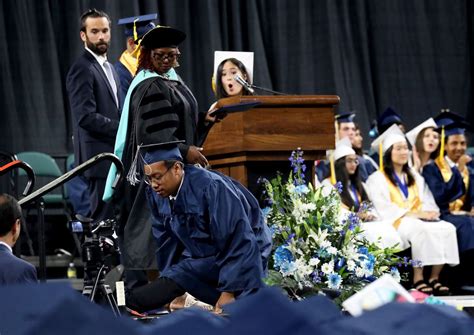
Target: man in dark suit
x=13 y=270
x=94 y=97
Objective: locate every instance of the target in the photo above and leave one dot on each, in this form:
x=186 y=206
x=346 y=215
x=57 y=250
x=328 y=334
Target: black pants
x=153 y=295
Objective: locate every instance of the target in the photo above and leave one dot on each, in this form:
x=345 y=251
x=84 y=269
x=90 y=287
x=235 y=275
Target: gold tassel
x=380 y=156
x=444 y=168
x=135 y=34
x=333 y=170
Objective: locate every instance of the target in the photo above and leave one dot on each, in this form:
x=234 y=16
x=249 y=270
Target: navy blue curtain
x=412 y=55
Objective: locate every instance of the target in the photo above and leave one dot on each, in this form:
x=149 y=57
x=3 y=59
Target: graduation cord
x=354 y=195
x=401 y=185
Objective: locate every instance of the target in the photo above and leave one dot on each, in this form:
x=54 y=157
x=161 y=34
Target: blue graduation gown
x=446 y=192
x=214 y=239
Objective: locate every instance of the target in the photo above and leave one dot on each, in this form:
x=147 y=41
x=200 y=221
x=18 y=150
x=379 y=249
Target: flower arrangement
x=316 y=247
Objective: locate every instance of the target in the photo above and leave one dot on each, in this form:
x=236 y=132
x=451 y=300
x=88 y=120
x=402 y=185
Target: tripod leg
x=109 y=295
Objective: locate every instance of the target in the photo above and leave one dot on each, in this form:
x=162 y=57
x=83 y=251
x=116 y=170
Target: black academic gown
x=446 y=192
x=160 y=111
x=213 y=238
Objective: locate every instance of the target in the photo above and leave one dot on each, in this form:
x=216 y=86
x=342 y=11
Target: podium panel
x=260 y=139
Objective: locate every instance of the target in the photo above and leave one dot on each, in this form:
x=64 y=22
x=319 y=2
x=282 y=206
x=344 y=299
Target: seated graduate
x=450 y=179
x=388 y=118
x=354 y=197
x=345 y=127
x=399 y=194
x=212 y=239
x=13 y=270
x=358 y=146
x=424 y=141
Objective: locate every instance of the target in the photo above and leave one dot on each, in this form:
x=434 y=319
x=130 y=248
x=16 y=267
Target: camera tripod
x=96 y=288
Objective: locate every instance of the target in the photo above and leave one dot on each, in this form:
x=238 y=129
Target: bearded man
x=94 y=97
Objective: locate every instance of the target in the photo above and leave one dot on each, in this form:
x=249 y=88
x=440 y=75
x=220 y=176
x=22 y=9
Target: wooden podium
x=246 y=143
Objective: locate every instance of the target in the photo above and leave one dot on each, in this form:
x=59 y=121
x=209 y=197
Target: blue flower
x=363 y=251
x=339 y=187
x=340 y=263
x=266 y=210
x=353 y=221
x=315 y=277
x=301 y=189
x=334 y=281
x=282 y=255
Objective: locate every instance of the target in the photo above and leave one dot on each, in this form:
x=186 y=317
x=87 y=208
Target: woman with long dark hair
x=399 y=194
x=354 y=197
x=424 y=141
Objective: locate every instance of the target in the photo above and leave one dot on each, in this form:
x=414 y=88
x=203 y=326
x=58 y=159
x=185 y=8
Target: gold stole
x=457 y=204
x=444 y=168
x=412 y=203
x=130 y=62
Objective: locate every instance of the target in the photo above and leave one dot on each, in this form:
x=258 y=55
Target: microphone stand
x=266 y=90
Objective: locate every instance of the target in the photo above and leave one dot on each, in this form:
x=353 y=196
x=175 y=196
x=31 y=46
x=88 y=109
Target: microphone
x=242 y=82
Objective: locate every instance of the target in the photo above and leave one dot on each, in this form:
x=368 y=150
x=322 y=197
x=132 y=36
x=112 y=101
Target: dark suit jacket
x=95 y=115
x=14 y=270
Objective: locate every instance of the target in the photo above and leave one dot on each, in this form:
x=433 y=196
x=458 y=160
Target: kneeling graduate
x=212 y=239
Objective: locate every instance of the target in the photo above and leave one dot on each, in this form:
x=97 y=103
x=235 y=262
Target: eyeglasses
x=162 y=57
x=149 y=178
x=352 y=161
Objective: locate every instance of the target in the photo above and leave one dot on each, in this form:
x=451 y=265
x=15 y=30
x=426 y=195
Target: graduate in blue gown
x=450 y=180
x=385 y=121
x=212 y=239
x=346 y=128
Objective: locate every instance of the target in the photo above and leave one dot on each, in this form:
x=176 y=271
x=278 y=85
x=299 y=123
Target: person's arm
x=443 y=192
x=80 y=87
x=168 y=247
x=238 y=259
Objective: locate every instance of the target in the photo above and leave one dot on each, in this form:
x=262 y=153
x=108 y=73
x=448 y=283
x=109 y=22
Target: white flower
x=325 y=244
x=290 y=187
x=328 y=268
x=360 y=272
x=302 y=268
x=326 y=190
x=314 y=262
x=332 y=250
x=351 y=265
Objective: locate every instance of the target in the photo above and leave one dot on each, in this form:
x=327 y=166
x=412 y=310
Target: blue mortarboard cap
x=387 y=118
x=143 y=23
x=455 y=128
x=392 y=319
x=446 y=118
x=161 y=152
x=453 y=124
x=345 y=117
x=56 y=309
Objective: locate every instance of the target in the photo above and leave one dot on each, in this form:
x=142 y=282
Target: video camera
x=100 y=247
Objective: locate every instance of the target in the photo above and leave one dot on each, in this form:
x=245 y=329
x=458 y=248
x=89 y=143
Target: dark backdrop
x=412 y=55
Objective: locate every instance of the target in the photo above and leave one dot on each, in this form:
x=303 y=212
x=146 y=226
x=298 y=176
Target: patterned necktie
x=110 y=77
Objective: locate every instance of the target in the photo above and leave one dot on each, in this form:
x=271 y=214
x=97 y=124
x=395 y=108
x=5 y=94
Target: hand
x=224 y=299
x=463 y=160
x=210 y=118
x=366 y=217
x=428 y=215
x=416 y=159
x=471 y=213
x=195 y=156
